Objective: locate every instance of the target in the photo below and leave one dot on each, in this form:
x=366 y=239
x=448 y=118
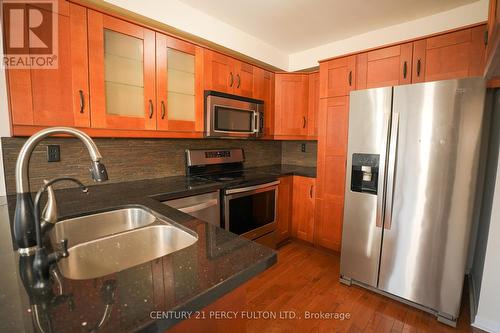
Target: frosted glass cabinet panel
x=123 y=74
x=181 y=85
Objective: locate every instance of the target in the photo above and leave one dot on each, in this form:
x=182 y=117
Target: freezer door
x=431 y=181
x=369 y=117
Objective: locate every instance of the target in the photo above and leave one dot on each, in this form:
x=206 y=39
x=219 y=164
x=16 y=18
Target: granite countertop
x=186 y=280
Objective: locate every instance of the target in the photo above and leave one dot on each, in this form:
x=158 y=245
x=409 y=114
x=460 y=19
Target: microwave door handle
x=255 y=122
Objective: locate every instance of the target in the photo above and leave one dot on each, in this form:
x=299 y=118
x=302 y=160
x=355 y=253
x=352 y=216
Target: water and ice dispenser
x=364 y=175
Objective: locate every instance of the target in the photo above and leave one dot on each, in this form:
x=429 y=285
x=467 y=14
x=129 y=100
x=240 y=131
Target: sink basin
x=114 y=253
x=90 y=227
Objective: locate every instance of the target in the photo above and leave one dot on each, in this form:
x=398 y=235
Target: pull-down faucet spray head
x=24 y=226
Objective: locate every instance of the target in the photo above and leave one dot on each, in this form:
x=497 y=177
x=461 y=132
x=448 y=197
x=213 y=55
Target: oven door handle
x=251 y=188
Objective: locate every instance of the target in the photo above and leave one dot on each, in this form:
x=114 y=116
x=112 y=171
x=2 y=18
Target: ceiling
x=296 y=25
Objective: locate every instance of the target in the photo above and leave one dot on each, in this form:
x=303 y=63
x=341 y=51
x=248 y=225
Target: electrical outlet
x=53 y=153
x=303 y=147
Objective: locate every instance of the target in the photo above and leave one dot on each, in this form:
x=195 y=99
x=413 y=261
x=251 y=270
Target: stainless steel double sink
x=109 y=242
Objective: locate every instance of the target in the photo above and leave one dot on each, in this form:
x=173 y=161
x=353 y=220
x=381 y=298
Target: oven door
x=251 y=211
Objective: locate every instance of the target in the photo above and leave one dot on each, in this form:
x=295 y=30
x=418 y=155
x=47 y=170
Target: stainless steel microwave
x=233 y=116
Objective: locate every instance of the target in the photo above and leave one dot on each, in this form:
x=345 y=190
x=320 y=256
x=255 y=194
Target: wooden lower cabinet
x=303 y=208
x=284 y=211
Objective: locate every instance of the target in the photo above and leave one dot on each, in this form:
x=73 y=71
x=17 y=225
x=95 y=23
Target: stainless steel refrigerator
x=412 y=174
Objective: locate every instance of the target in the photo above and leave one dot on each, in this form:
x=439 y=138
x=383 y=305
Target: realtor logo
x=30 y=34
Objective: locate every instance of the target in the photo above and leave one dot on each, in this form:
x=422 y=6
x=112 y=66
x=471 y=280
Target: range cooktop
x=237 y=178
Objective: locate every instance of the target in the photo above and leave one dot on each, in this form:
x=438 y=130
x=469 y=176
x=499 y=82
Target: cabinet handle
x=304 y=122
x=405 y=69
x=239 y=80
x=162 y=110
x=419 y=63
x=82 y=100
x=150 y=109
x=231 y=79
x=311 y=191
x=350 y=78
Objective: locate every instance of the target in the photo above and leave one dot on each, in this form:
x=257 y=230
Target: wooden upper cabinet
x=263 y=89
x=337 y=76
x=455 y=55
x=303 y=208
x=243 y=85
x=122 y=74
x=225 y=74
x=418 y=63
x=56 y=97
x=390 y=66
x=312 y=112
x=284 y=212
x=179 y=85
x=291 y=104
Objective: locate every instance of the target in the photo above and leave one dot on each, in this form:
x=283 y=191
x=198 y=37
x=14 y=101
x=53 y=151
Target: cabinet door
x=285 y=193
x=418 y=66
x=243 y=85
x=455 y=55
x=56 y=97
x=219 y=72
x=390 y=66
x=332 y=149
x=291 y=104
x=337 y=76
x=179 y=85
x=303 y=208
x=263 y=89
x=312 y=112
x=122 y=74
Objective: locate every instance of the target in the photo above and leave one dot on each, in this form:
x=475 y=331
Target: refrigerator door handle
x=379 y=222
x=391 y=170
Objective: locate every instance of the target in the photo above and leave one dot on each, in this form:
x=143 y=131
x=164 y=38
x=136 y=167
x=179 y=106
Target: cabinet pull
x=405 y=69
x=150 y=109
x=82 y=100
x=304 y=122
x=311 y=191
x=231 y=79
x=239 y=80
x=162 y=110
x=419 y=63
x=350 y=78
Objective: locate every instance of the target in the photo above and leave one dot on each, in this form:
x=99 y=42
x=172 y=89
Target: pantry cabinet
x=303 y=208
x=60 y=96
x=179 y=85
x=225 y=74
x=122 y=74
x=337 y=76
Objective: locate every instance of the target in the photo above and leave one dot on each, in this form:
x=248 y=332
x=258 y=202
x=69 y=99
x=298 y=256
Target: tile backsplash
x=134 y=159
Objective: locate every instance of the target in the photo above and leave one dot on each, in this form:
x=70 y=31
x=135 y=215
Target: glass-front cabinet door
x=179 y=89
x=122 y=74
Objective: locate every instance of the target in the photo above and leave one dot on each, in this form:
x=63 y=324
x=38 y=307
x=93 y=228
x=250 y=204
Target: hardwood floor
x=307 y=279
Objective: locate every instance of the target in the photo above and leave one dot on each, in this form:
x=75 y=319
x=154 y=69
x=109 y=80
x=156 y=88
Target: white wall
x=488 y=313
x=4 y=117
x=457 y=17
x=180 y=16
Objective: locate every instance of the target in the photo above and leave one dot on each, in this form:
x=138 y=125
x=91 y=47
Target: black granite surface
x=186 y=280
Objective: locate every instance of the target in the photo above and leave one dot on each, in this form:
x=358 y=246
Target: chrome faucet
x=24 y=219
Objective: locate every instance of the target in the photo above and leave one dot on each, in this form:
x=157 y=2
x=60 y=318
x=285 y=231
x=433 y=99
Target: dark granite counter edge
x=211 y=295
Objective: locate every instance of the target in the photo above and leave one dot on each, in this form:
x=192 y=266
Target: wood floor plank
x=307 y=279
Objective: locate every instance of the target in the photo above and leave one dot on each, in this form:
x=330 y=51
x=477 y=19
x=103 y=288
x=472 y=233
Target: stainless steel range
x=248 y=197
